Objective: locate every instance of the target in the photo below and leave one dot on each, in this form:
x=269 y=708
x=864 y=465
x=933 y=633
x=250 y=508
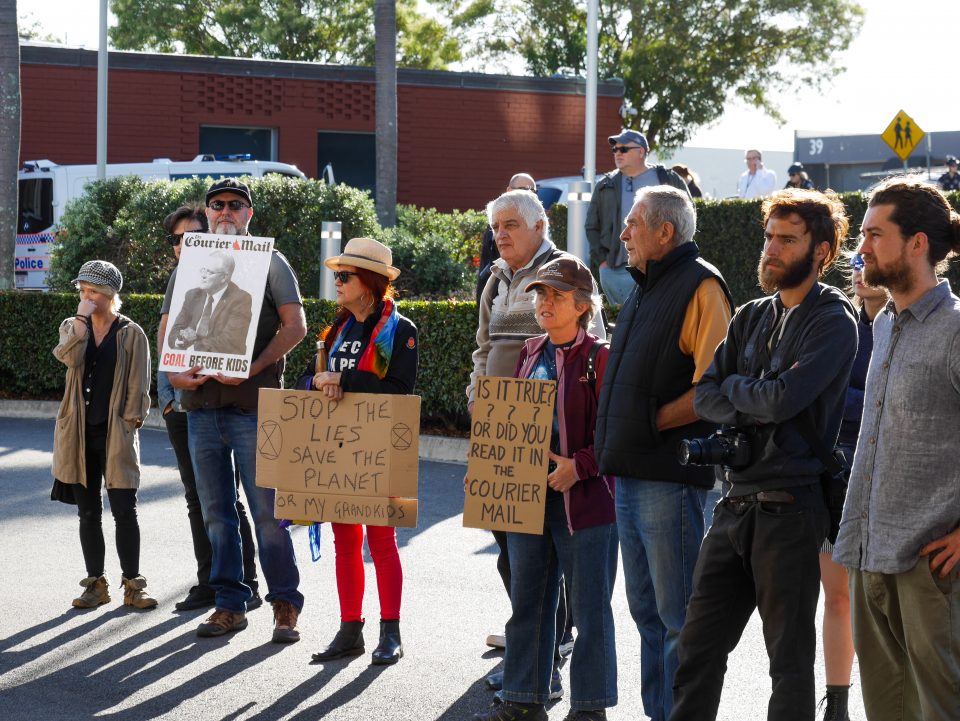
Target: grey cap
x=100 y=272
x=629 y=136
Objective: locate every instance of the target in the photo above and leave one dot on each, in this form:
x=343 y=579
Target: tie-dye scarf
x=376 y=356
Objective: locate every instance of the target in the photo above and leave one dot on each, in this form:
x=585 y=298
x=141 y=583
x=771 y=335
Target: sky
x=900 y=60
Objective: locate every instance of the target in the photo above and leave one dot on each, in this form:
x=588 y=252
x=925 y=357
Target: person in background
x=798 y=178
x=837 y=636
x=96 y=444
x=488 y=246
x=192 y=219
x=951 y=179
x=612 y=199
x=756 y=181
x=579 y=538
x=690 y=178
x=370 y=348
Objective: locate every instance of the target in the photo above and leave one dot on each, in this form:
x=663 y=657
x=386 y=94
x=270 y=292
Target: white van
x=45 y=188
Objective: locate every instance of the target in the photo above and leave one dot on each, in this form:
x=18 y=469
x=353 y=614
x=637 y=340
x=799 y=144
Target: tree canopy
x=681 y=60
x=326 y=31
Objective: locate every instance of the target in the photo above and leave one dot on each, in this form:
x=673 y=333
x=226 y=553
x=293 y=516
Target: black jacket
x=401 y=374
x=808 y=373
x=646 y=370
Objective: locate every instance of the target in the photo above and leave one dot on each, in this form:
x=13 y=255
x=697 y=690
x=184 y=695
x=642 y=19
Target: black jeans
x=177 y=432
x=123 y=506
x=763 y=556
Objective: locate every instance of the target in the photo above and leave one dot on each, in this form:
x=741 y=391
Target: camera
x=727 y=447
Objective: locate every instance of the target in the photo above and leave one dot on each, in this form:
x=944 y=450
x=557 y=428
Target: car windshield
x=35 y=209
x=548 y=196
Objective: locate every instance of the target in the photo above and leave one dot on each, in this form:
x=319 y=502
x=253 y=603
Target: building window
x=258 y=143
x=352 y=156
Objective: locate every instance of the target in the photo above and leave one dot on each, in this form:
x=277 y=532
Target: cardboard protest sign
x=217 y=295
x=397 y=512
x=509 y=443
x=357 y=457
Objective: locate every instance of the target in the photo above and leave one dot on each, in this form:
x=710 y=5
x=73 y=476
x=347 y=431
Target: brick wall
x=457 y=146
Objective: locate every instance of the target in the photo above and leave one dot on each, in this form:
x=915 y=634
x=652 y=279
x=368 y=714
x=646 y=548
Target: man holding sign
x=222 y=420
x=579 y=533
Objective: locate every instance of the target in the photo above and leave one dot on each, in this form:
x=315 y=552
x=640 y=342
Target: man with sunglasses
x=222 y=428
x=612 y=200
x=191 y=219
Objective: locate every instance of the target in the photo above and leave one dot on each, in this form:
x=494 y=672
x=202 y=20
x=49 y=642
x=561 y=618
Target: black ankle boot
x=347 y=642
x=836 y=703
x=389 y=650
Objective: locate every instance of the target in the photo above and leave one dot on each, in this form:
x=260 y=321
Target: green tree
x=325 y=31
x=681 y=60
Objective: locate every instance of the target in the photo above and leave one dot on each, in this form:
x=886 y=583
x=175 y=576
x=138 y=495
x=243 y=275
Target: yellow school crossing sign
x=902 y=135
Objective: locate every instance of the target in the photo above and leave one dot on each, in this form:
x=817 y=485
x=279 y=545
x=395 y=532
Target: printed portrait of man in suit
x=216 y=315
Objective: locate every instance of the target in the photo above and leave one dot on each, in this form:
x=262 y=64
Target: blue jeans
x=661 y=526
x=617 y=284
x=215 y=435
x=588 y=559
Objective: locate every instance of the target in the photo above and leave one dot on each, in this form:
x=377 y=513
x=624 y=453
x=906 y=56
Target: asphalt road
x=117 y=664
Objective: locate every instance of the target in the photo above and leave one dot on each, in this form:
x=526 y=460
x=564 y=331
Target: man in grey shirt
x=900 y=533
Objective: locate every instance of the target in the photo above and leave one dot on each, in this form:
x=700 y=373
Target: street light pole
x=102 y=95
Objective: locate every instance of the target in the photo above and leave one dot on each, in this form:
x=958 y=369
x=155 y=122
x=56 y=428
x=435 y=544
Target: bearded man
x=784 y=365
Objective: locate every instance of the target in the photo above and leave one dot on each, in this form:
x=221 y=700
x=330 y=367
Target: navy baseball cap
x=229 y=185
x=629 y=136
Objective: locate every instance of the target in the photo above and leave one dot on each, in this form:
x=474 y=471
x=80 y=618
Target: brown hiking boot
x=135 y=594
x=285 y=616
x=221 y=622
x=95 y=593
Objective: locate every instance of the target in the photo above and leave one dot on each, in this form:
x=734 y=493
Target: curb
x=432 y=448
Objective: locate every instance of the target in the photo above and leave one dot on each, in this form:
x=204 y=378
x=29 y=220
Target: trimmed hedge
x=29 y=370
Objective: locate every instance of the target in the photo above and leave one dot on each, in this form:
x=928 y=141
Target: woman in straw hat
x=95 y=443
x=369 y=348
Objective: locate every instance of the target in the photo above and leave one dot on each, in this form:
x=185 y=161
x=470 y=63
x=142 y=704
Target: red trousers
x=382 y=541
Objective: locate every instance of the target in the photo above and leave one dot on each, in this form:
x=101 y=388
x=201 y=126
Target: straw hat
x=365 y=253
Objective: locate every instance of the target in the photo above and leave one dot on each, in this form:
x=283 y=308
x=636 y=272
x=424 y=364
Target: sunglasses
x=234 y=205
x=342 y=275
x=856 y=262
x=623 y=149
x=174 y=238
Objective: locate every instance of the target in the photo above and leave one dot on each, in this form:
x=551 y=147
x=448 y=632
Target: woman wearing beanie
x=106 y=398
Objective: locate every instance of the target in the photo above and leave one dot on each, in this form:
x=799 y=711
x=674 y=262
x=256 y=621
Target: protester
x=900 y=534
x=756 y=181
x=192 y=219
x=664 y=340
x=690 y=178
x=370 y=348
x=222 y=431
x=612 y=199
x=506 y=320
x=580 y=536
x=797 y=178
x=951 y=179
x=836 y=636
x=488 y=246
x=777 y=384
x=96 y=441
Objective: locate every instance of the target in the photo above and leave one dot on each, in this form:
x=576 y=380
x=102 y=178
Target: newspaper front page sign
x=216 y=302
x=506 y=487
x=353 y=460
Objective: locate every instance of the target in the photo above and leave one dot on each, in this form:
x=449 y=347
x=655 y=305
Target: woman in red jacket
x=579 y=530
